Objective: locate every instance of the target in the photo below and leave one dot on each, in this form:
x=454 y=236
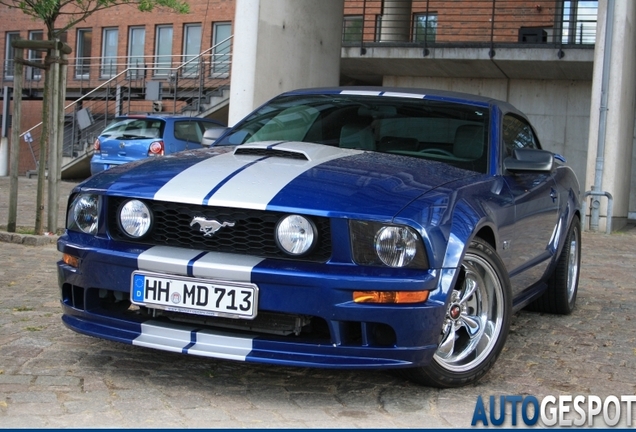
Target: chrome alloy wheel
x=573 y=265
x=474 y=318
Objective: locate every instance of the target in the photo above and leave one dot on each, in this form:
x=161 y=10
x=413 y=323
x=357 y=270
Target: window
x=35 y=56
x=191 y=131
x=109 y=52
x=9 y=54
x=163 y=50
x=352 y=28
x=84 y=42
x=447 y=131
x=191 y=49
x=424 y=27
x=136 y=42
x=579 y=22
x=517 y=133
x=221 y=51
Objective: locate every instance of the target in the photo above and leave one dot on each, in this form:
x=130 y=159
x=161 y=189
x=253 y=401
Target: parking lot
x=53 y=377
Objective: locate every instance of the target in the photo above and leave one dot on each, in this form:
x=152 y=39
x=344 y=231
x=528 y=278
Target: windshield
x=135 y=128
x=439 y=130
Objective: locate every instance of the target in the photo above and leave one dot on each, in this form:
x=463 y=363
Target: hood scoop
x=303 y=151
x=267 y=152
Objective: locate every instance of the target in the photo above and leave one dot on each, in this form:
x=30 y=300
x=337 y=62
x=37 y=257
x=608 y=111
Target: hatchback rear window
x=135 y=128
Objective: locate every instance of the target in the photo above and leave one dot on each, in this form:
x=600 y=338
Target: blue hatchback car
x=340 y=228
x=134 y=137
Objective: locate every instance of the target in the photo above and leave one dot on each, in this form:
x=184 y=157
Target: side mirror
x=530 y=160
x=211 y=135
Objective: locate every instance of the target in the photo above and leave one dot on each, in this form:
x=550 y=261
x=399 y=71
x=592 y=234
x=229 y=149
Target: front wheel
x=560 y=296
x=476 y=324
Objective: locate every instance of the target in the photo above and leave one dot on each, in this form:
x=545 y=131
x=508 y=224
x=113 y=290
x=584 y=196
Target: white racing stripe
x=211 y=265
x=361 y=92
x=219 y=344
x=166 y=259
x=241 y=184
x=207 y=343
x=192 y=185
x=404 y=95
x=224 y=266
x=256 y=185
x=159 y=335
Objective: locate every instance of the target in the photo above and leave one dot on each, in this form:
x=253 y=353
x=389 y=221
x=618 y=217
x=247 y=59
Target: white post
x=282 y=45
x=4 y=142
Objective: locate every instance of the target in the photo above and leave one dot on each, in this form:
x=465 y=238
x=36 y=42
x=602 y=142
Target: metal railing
x=184 y=87
x=469 y=23
x=86 y=73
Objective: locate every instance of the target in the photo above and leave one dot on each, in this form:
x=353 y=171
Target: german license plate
x=194 y=296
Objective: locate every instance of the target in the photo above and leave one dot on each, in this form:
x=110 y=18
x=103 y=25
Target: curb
x=28 y=239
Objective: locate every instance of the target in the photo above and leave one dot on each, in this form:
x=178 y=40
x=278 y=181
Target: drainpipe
x=602 y=123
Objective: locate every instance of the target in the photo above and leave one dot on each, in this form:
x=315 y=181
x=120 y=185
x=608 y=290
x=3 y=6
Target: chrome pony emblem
x=209 y=227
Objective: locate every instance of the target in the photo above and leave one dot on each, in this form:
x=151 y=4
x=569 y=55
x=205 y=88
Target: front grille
x=252 y=233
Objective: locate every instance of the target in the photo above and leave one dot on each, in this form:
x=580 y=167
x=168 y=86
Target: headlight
x=83 y=214
x=135 y=218
x=295 y=235
x=378 y=244
x=396 y=246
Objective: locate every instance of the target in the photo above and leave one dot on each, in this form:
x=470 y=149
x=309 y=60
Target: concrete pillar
x=613 y=167
x=396 y=21
x=281 y=45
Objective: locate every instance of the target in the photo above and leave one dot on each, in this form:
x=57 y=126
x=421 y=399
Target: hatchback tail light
x=156 y=149
x=97 y=146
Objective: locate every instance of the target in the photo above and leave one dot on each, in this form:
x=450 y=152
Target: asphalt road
x=53 y=377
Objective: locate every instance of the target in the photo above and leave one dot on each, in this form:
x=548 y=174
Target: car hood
x=282 y=176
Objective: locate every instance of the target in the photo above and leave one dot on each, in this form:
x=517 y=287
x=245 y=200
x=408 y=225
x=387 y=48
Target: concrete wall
x=615 y=162
x=282 y=45
x=559 y=110
x=631 y=214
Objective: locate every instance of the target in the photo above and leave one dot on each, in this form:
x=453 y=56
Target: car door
x=536 y=206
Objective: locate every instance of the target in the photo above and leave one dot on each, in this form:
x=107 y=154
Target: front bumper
x=353 y=335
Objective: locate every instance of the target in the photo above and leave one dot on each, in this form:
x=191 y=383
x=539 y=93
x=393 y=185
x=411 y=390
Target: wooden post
x=54 y=163
x=53 y=104
x=60 y=135
x=14 y=157
x=44 y=137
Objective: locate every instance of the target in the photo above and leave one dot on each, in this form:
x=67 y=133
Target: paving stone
x=51 y=377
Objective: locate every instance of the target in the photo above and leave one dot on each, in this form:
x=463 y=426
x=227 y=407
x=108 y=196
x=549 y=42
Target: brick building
x=545 y=57
x=108 y=43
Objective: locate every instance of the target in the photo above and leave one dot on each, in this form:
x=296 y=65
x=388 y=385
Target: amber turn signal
x=71 y=260
x=390 y=296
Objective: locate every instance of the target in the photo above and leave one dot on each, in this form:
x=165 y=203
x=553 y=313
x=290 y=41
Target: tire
x=560 y=296
x=476 y=324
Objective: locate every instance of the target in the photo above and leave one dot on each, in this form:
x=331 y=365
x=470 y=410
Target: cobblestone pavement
x=26 y=209
x=53 y=377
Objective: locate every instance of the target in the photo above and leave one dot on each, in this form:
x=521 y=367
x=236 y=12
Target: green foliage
x=78 y=10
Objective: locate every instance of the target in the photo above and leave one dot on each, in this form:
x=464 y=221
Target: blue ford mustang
x=343 y=227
